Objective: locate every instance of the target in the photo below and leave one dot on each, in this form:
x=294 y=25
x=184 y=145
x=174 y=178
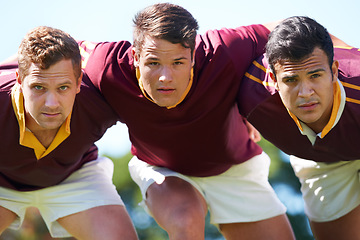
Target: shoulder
x=7 y=79
x=108 y=59
x=349 y=72
x=102 y=52
x=239 y=45
x=225 y=36
x=349 y=62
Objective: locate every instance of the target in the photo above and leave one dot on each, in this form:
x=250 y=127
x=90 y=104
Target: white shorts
x=330 y=190
x=88 y=187
x=241 y=194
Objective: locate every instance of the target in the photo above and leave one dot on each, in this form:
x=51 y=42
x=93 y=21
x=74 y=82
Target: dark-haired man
x=308 y=106
x=176 y=92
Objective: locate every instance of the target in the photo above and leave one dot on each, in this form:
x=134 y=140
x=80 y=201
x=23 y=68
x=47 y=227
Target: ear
x=335 y=70
x=273 y=77
x=18 y=79
x=79 y=83
x=136 y=57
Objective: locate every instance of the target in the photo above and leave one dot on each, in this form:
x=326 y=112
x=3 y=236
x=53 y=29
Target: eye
x=178 y=63
x=289 y=80
x=63 y=88
x=153 y=63
x=316 y=75
x=38 y=87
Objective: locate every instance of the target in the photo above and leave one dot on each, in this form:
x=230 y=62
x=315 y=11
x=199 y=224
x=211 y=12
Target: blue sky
x=111 y=20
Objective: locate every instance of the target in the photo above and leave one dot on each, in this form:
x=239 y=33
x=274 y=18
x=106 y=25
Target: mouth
x=51 y=115
x=166 y=90
x=308 y=106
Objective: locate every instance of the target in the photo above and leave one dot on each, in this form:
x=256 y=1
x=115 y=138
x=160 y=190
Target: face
x=165 y=70
x=306 y=88
x=49 y=95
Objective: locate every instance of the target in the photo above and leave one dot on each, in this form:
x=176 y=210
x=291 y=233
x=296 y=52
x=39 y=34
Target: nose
x=305 y=89
x=165 y=74
x=51 y=100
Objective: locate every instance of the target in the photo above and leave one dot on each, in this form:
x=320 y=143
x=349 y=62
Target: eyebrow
x=316 y=70
x=290 y=76
x=180 y=58
x=37 y=82
x=152 y=58
x=176 y=59
x=309 y=73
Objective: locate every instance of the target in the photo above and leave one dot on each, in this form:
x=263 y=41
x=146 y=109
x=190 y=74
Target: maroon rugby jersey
x=264 y=109
x=205 y=134
x=19 y=167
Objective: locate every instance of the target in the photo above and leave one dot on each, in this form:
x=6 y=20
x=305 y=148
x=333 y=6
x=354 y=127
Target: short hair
x=295 y=38
x=46 y=46
x=165 y=21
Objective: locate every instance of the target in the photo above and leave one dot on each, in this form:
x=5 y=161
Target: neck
x=45 y=137
x=316 y=127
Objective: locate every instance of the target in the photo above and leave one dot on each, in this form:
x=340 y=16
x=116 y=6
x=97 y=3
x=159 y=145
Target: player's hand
x=253 y=132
